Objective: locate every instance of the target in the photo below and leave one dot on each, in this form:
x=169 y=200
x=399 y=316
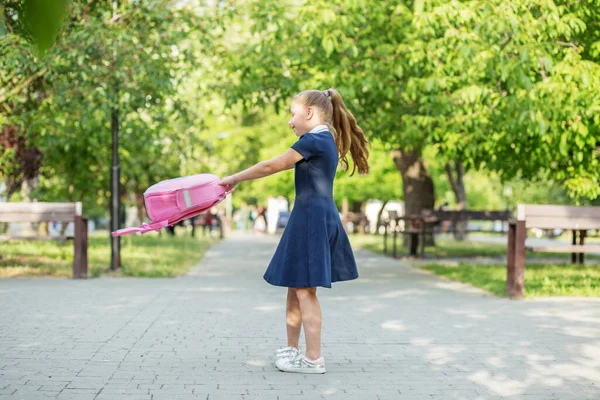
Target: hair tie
x=326 y=92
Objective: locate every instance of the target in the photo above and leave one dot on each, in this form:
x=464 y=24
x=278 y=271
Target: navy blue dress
x=314 y=249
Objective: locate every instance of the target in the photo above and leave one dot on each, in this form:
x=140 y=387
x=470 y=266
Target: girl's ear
x=309 y=112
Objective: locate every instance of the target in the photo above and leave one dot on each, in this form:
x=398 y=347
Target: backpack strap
x=144 y=228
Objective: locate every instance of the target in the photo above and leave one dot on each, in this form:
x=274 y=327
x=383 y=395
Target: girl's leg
x=293 y=318
x=311 y=319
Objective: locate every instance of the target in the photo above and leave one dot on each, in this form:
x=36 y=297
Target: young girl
x=314 y=249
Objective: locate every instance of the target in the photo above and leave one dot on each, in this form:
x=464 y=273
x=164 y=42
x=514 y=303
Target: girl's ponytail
x=349 y=136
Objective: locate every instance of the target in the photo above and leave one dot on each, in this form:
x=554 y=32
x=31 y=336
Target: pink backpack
x=173 y=200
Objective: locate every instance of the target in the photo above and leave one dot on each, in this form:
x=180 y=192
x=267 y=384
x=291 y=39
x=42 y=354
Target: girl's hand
x=230 y=183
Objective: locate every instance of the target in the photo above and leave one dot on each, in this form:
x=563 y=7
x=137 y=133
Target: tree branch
x=4 y=96
x=503 y=45
x=542 y=72
x=567 y=44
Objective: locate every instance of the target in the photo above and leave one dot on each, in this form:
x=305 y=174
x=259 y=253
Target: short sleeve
x=306 y=145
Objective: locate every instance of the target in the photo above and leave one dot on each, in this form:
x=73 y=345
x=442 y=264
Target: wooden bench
x=410 y=226
x=359 y=221
x=415 y=225
x=434 y=216
x=576 y=219
x=46 y=212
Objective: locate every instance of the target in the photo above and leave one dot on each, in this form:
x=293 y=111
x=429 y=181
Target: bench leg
x=80 y=259
x=520 y=234
x=510 y=260
x=385 y=238
x=395 y=236
x=421 y=237
x=515 y=264
x=582 y=235
x=414 y=244
x=574 y=242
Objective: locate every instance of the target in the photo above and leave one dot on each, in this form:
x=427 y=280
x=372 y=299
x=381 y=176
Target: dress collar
x=319 y=128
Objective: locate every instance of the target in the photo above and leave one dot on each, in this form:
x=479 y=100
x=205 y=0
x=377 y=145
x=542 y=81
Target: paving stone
x=396 y=332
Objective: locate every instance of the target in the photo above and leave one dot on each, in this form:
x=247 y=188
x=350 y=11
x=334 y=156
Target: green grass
x=148 y=255
x=450 y=248
x=443 y=248
x=541 y=280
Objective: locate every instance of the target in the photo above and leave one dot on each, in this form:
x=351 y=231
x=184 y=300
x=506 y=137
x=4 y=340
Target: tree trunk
x=417 y=186
x=458 y=186
x=27 y=187
x=27 y=161
x=379 y=217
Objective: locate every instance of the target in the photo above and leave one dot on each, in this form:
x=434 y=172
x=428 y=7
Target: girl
x=314 y=249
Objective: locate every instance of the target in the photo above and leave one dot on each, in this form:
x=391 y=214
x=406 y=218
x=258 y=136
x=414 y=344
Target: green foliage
x=43 y=20
x=63 y=103
x=450 y=248
x=486 y=190
x=236 y=142
x=511 y=87
x=443 y=248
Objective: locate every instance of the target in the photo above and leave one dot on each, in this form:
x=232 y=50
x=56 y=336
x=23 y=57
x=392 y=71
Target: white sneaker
x=301 y=364
x=286 y=352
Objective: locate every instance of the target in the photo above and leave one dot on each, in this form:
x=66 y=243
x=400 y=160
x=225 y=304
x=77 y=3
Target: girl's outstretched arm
x=263 y=168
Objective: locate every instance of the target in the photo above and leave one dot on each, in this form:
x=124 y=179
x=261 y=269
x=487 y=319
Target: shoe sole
x=302 y=371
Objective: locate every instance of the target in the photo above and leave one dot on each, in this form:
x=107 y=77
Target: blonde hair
x=348 y=135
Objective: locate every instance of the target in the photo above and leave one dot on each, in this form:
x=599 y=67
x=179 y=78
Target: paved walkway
x=394 y=333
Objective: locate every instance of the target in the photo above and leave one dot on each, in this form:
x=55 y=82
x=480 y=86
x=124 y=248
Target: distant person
x=260 y=223
x=272 y=214
x=314 y=249
x=244 y=216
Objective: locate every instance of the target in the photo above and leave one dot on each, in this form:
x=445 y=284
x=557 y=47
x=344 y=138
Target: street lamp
x=228 y=204
x=115 y=248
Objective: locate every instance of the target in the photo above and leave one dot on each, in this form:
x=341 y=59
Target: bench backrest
x=37 y=212
x=554 y=216
x=465 y=215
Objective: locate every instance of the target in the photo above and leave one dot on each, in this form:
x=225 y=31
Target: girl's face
x=302 y=118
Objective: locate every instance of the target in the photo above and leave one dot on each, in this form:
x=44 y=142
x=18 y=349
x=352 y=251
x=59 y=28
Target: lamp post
x=115 y=248
x=228 y=204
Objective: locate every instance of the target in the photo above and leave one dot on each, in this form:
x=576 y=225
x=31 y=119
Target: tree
x=61 y=104
x=522 y=96
x=510 y=87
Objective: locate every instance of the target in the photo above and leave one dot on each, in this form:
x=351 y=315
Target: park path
x=394 y=333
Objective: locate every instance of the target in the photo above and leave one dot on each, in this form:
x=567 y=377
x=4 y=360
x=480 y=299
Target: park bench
x=416 y=225
x=403 y=225
x=46 y=212
x=576 y=219
x=435 y=216
x=359 y=220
